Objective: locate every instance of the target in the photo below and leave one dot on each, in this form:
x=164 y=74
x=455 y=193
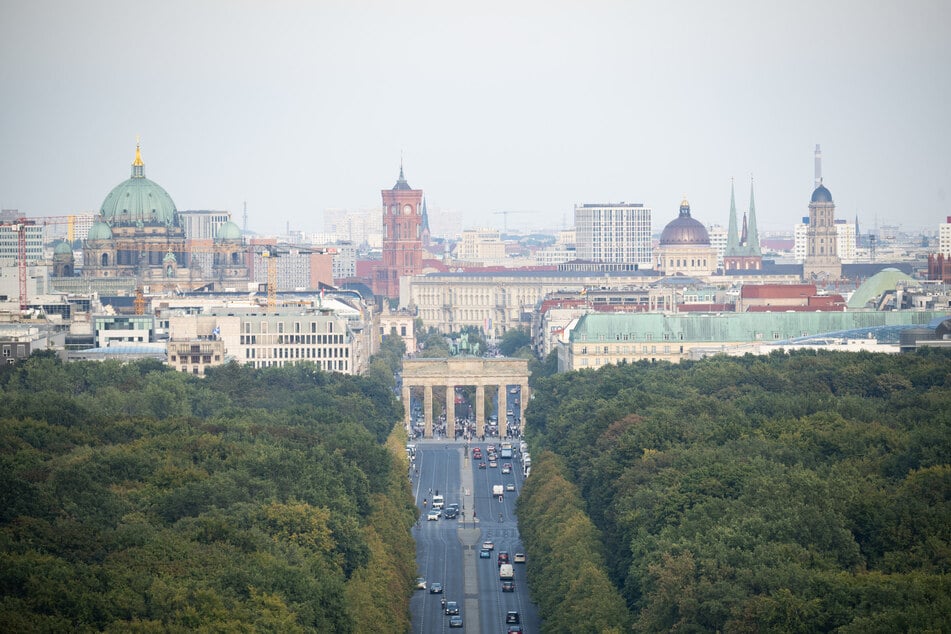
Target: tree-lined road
x=447 y=550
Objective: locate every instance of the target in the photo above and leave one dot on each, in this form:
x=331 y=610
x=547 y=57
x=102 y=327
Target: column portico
x=471 y=371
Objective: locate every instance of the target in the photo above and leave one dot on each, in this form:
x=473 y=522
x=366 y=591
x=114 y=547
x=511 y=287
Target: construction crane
x=270 y=253
x=505 y=217
x=19 y=226
x=69 y=221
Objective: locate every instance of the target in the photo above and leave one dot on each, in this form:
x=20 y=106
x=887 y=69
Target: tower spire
x=753 y=235
x=138 y=167
x=732 y=235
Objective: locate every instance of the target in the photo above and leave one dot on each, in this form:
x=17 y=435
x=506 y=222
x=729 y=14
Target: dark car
x=455 y=621
x=512 y=617
x=435 y=588
x=453 y=608
x=451 y=513
x=508 y=586
x=485 y=553
x=503 y=558
x=515 y=628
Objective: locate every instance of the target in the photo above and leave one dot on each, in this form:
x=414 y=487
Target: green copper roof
x=139 y=201
x=99 y=231
x=228 y=231
x=873 y=287
x=732 y=327
x=62 y=248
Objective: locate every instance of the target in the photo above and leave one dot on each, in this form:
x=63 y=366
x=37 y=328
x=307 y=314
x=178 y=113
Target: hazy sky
x=296 y=107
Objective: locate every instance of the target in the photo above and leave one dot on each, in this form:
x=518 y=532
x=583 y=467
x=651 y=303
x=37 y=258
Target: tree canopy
x=140 y=499
x=798 y=492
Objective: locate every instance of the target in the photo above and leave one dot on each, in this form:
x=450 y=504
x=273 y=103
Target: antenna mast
x=245 y=216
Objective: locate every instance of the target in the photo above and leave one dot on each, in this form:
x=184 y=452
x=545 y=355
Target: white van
x=438 y=502
x=506 y=571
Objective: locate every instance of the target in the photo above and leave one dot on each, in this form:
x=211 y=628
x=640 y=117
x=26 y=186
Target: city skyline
x=299 y=107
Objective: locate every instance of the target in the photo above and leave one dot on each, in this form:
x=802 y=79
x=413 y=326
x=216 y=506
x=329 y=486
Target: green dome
x=62 y=248
x=883 y=281
x=139 y=200
x=99 y=231
x=228 y=231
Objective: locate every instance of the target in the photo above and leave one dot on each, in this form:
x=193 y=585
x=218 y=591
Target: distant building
x=10 y=240
x=402 y=237
x=845 y=241
x=742 y=247
x=614 y=232
x=333 y=341
x=718 y=238
x=596 y=340
x=944 y=238
x=685 y=247
x=481 y=245
x=822 y=259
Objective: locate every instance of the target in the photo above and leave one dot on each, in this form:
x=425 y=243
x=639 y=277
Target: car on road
x=493 y=464
x=488 y=545
x=455 y=621
x=420 y=583
x=452 y=607
x=515 y=629
x=510 y=486
x=503 y=558
x=482 y=465
x=512 y=617
x=508 y=586
x=435 y=588
x=433 y=515
x=451 y=513
x=507 y=467
x=519 y=558
x=485 y=554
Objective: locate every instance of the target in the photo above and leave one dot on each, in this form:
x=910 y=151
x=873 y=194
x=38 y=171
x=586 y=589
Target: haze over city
x=297 y=107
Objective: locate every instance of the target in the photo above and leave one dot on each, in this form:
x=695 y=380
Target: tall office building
x=614 y=232
x=944 y=238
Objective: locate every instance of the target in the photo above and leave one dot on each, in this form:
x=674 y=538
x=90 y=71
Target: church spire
x=732 y=235
x=753 y=235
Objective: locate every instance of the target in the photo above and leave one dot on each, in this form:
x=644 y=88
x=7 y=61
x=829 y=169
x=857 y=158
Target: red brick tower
x=402 y=237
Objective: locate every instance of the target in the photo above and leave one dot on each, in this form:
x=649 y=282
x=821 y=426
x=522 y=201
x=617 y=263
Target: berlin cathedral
x=139 y=234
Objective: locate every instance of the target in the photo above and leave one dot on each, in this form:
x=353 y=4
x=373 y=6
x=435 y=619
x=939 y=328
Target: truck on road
x=498 y=491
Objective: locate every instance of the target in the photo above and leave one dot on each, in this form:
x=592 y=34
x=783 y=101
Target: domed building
x=822 y=257
x=63 y=264
x=137 y=230
x=685 y=247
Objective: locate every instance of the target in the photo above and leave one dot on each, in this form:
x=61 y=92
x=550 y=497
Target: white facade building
x=800 y=233
x=944 y=238
x=845 y=236
x=481 y=245
x=9 y=243
x=718 y=237
x=614 y=232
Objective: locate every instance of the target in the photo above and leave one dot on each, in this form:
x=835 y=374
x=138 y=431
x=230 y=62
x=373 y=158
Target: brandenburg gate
x=449 y=373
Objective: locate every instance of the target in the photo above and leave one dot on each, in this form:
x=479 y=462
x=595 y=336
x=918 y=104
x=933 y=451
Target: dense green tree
x=794 y=492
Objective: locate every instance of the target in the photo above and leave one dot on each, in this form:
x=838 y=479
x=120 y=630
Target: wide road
x=447 y=550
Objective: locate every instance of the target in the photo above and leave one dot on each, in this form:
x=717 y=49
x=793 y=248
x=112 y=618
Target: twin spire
x=746 y=244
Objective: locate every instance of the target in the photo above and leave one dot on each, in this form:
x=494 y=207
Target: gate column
x=480 y=410
x=428 y=409
x=450 y=412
